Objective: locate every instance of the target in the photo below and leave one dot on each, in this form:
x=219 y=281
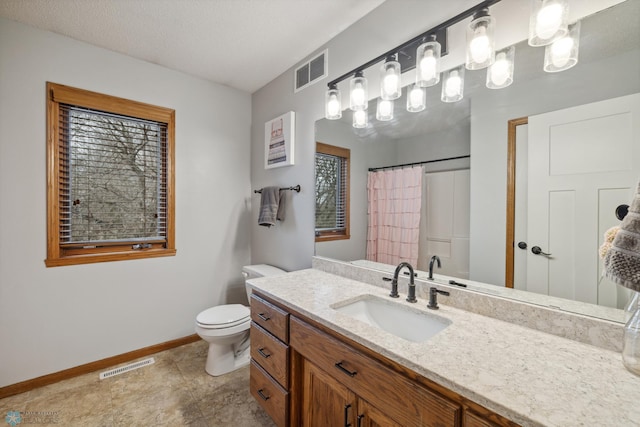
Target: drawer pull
x=262 y=395
x=263 y=317
x=360 y=417
x=346 y=371
x=262 y=353
x=346 y=416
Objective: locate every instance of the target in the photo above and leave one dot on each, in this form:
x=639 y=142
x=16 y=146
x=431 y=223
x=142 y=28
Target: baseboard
x=27 y=385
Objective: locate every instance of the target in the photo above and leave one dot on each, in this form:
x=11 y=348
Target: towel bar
x=296 y=189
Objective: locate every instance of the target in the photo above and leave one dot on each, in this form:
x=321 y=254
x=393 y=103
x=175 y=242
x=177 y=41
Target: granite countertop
x=527 y=376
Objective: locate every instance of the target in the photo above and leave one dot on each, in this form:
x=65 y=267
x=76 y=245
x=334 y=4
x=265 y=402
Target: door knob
x=537 y=251
x=522 y=245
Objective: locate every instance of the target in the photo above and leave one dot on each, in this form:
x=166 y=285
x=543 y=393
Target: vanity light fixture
x=453 y=85
x=384 y=112
x=359 y=95
x=360 y=119
x=548 y=21
x=390 y=87
x=500 y=73
x=333 y=103
x=416 y=99
x=428 y=62
x=562 y=54
x=480 y=41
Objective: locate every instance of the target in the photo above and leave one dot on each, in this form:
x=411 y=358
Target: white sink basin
x=397 y=319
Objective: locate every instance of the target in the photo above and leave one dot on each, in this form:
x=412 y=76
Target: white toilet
x=226 y=328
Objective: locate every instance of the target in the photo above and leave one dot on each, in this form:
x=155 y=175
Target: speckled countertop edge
x=530 y=377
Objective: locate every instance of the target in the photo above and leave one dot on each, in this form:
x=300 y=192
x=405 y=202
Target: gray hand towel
x=269 y=203
x=282 y=205
x=622 y=261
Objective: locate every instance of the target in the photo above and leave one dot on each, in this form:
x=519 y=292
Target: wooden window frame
x=57 y=254
x=325 y=236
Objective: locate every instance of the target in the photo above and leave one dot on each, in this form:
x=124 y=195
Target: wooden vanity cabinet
x=376 y=395
x=304 y=374
x=270 y=353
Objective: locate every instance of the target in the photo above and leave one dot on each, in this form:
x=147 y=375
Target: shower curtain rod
x=404 y=165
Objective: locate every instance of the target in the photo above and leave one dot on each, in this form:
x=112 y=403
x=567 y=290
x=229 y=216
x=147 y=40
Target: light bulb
x=357 y=95
x=548 y=20
x=415 y=97
x=390 y=82
x=385 y=107
x=333 y=106
x=500 y=70
x=359 y=119
x=561 y=51
x=428 y=66
x=453 y=84
x=480 y=46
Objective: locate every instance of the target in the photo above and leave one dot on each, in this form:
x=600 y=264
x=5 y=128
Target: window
x=110 y=178
x=332 y=192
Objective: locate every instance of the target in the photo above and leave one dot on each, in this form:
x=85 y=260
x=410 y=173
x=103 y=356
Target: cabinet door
x=370 y=416
x=325 y=402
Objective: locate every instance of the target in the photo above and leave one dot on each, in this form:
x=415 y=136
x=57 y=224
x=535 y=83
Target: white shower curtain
x=394 y=215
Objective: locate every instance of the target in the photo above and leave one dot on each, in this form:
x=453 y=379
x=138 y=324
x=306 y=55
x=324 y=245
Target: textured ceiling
x=239 y=43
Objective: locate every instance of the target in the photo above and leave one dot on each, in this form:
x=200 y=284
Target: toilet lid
x=224 y=316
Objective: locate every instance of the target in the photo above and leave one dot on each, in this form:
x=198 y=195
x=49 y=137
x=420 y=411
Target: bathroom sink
x=397 y=319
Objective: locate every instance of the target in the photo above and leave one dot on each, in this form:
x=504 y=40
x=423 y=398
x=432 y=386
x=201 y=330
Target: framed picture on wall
x=279 y=138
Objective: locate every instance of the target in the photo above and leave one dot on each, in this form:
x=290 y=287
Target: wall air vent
x=311 y=71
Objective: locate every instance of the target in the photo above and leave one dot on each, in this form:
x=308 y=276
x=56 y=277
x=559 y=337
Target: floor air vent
x=127 y=368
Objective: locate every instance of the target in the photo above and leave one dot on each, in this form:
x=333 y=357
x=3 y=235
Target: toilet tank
x=259 y=270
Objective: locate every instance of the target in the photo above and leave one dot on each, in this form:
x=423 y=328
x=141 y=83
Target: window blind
x=113 y=178
x=331 y=192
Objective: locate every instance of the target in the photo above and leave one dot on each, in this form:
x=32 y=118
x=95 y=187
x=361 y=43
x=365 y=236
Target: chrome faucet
x=433 y=258
x=411 y=297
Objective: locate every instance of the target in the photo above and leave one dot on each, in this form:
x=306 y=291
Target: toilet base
x=221 y=360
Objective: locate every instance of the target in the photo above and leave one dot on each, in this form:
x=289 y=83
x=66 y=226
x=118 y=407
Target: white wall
x=56 y=318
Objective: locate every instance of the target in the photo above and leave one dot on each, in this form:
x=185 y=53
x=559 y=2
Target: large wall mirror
x=468 y=145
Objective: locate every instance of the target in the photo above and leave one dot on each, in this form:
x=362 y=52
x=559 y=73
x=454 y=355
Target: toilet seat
x=223 y=316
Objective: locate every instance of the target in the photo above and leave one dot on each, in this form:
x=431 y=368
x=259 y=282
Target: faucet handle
x=433 y=297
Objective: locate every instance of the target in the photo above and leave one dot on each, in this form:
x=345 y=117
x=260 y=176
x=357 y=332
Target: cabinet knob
x=346 y=415
x=262 y=395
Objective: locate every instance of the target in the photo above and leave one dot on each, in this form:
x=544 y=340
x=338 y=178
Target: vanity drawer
x=270 y=317
x=271 y=354
x=273 y=398
x=369 y=379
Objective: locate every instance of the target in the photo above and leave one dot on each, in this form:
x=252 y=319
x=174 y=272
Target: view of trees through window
x=332 y=192
x=115 y=177
x=327 y=175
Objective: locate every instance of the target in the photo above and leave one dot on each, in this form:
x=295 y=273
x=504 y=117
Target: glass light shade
x=500 y=73
x=358 y=93
x=360 y=119
x=453 y=85
x=390 y=80
x=332 y=104
x=562 y=54
x=548 y=21
x=480 y=42
x=631 y=344
x=416 y=99
x=428 y=63
x=384 y=112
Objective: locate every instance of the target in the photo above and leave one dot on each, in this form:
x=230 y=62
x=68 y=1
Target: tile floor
x=174 y=391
